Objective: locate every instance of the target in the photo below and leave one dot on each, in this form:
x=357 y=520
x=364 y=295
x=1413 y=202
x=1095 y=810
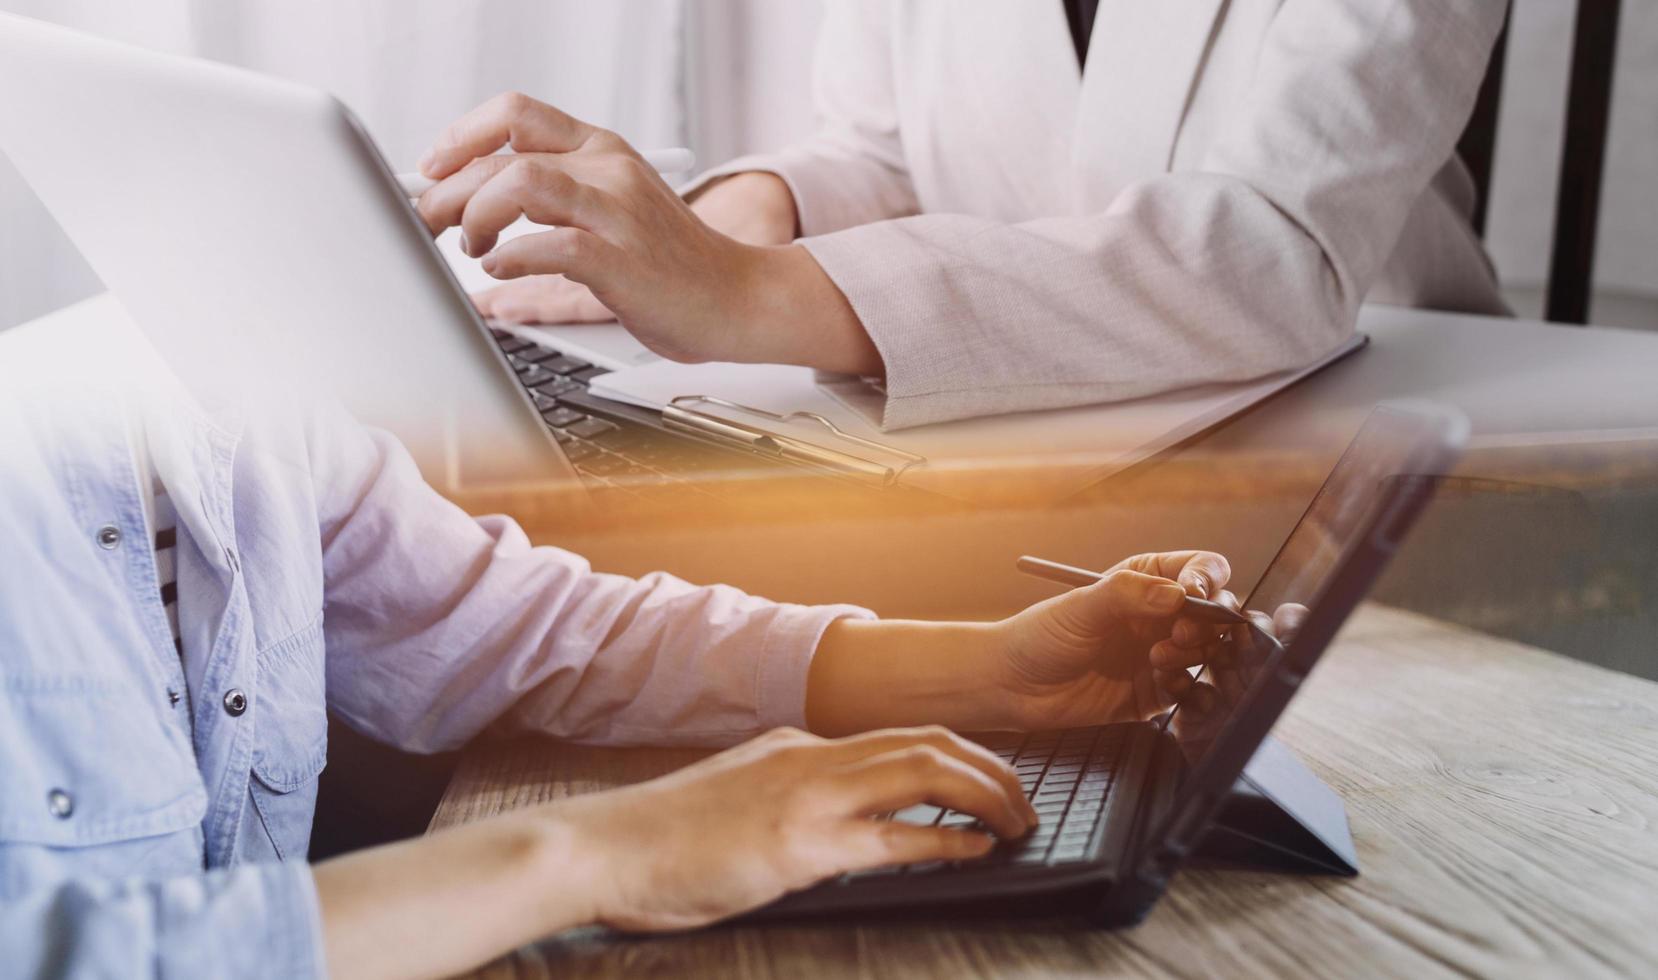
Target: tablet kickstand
x=1281 y=817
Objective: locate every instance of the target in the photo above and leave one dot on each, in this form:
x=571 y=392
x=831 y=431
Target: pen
x=670 y=161
x=1202 y=610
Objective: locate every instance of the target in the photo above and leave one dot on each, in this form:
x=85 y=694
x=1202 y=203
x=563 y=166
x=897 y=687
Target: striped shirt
x=163 y=523
x=165 y=526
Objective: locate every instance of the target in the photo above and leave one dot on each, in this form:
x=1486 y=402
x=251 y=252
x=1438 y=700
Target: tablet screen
x=1389 y=445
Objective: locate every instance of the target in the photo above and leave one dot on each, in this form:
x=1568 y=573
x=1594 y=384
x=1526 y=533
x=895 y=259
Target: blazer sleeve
x=438 y=625
x=1253 y=262
x=852 y=171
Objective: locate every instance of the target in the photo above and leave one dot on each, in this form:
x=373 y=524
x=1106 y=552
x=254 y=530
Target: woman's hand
x=780 y=813
x=751 y=208
x=726 y=835
x=1113 y=651
x=682 y=288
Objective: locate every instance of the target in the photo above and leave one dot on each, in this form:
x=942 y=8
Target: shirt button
x=60 y=803
x=235 y=702
x=108 y=537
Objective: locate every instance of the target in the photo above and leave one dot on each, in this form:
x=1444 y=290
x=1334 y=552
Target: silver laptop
x=252 y=230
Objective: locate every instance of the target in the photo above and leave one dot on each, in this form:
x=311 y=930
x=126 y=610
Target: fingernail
x=426 y=160
x=1166 y=598
x=489 y=263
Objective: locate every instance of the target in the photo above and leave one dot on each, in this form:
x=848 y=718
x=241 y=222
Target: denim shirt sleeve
x=256 y=920
x=438 y=624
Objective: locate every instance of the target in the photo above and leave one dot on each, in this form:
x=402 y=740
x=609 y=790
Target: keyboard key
x=586 y=375
x=620 y=437
x=634 y=476
x=603 y=464
x=651 y=450
x=536 y=355
x=563 y=365
x=576 y=452
x=592 y=428
x=557 y=386
x=1033 y=855
x=536 y=376
x=1064 y=854
x=514 y=345
x=562 y=418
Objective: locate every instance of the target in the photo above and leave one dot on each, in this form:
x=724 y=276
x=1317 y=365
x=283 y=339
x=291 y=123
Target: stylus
x=674 y=160
x=1203 y=610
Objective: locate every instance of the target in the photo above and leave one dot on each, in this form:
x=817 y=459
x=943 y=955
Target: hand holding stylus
x=1198 y=624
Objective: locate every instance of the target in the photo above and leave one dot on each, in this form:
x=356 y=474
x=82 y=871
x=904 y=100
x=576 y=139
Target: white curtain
x=407 y=67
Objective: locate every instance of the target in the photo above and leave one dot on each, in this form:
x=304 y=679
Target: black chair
x=1583 y=155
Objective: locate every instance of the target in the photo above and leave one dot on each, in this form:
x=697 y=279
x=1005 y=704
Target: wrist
x=870 y=674
x=551 y=844
x=788 y=311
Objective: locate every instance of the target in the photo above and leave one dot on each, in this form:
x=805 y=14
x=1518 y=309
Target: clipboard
x=831 y=424
x=680 y=414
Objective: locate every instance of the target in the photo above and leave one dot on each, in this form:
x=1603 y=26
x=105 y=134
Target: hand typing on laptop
x=688 y=291
x=752 y=208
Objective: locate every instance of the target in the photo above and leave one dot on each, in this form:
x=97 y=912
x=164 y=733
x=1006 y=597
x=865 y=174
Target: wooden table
x=1504 y=801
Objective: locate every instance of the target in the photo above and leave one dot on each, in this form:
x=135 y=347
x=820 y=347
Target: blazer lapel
x=1143 y=61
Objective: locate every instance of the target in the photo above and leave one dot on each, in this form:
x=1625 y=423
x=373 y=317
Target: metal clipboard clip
x=679 y=416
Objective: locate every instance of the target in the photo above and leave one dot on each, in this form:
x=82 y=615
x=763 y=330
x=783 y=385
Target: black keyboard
x=1067 y=776
x=618 y=450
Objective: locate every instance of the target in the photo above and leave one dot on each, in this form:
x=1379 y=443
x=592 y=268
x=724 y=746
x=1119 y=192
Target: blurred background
x=731 y=76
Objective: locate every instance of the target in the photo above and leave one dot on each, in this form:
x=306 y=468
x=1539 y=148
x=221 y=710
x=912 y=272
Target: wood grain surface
x=1503 y=800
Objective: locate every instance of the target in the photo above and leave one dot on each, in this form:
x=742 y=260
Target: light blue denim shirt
x=139 y=836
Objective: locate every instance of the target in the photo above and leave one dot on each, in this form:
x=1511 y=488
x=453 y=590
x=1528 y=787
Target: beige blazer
x=1210 y=200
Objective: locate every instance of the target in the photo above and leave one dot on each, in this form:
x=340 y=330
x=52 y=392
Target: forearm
x=788 y=311
x=871 y=674
x=443 y=904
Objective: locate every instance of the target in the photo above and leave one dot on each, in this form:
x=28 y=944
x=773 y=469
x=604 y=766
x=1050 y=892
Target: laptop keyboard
x=616 y=456
x=1067 y=776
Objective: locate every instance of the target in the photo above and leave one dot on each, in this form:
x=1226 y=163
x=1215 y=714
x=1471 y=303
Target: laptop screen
x=1391 y=444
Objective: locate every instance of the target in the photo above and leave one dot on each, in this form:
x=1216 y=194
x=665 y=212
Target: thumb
x=1121 y=595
